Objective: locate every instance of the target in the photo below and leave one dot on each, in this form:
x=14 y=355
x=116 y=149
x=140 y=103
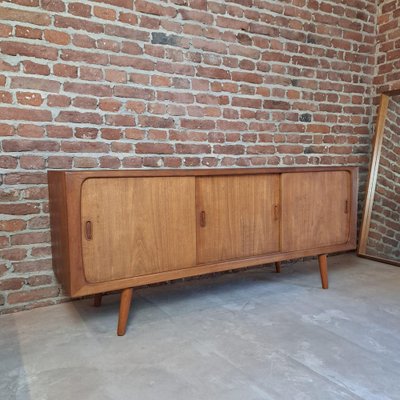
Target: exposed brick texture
x=388 y=46
x=173 y=84
x=384 y=235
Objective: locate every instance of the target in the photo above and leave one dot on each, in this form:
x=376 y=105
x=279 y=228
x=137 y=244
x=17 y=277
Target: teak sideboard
x=114 y=230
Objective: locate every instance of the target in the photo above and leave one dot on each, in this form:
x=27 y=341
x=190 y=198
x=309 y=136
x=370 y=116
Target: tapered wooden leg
x=124 y=307
x=278 y=267
x=97 y=299
x=323 y=270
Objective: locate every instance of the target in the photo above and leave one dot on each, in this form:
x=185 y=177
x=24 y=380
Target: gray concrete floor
x=249 y=335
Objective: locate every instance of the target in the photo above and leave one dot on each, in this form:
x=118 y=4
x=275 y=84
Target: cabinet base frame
x=126 y=294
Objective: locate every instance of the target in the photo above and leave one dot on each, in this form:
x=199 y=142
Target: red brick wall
x=178 y=83
x=388 y=46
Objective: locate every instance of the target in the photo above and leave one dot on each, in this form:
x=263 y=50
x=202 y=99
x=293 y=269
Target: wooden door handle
x=202 y=219
x=88 y=230
x=276 y=212
x=346 y=207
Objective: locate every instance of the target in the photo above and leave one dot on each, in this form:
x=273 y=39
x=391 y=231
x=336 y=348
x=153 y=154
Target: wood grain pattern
x=236 y=216
x=69 y=230
x=314 y=209
x=139 y=226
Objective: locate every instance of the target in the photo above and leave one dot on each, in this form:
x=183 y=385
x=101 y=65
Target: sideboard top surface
x=98 y=173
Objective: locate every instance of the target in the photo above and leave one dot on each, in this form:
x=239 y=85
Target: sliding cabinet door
x=137 y=226
x=315 y=209
x=237 y=216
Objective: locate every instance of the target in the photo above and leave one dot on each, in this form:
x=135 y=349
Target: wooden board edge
x=380 y=259
x=145 y=172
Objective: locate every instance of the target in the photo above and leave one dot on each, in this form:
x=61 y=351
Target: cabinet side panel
x=59 y=228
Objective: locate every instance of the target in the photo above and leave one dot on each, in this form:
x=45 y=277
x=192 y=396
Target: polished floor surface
x=249 y=335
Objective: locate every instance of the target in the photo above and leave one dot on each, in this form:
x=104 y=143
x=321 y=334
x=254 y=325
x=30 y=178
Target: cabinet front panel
x=238 y=216
x=137 y=226
x=315 y=209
